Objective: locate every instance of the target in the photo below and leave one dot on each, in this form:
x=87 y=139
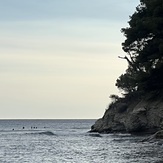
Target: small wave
x=94 y=135
x=47 y=133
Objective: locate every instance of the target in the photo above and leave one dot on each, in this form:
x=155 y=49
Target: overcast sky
x=59 y=58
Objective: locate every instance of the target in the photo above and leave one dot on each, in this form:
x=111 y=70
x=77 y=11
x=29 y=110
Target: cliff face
x=140 y=115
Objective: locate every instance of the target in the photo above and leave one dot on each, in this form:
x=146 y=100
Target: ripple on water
x=78 y=146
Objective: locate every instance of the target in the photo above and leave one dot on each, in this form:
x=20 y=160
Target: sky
x=59 y=58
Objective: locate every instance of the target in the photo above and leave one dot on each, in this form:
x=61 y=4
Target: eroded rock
x=134 y=116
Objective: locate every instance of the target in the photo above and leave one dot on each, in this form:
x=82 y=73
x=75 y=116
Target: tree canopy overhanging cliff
x=144 y=49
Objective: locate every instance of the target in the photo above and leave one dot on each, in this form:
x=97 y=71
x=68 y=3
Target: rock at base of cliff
x=141 y=115
x=157 y=135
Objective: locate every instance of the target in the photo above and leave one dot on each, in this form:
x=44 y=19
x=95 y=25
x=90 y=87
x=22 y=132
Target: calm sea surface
x=67 y=141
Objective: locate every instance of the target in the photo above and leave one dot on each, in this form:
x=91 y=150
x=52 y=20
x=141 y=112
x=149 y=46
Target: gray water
x=67 y=141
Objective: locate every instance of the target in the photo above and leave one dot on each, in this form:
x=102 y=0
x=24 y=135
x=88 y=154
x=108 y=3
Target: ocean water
x=68 y=141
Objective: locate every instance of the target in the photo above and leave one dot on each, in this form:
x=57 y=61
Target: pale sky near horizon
x=59 y=58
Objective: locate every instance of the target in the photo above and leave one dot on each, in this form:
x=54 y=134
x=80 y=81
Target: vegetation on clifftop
x=144 y=50
x=141 y=108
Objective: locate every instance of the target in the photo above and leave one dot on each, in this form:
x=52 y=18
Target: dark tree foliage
x=144 y=48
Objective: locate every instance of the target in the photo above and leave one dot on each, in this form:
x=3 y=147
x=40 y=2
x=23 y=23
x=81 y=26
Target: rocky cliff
x=132 y=115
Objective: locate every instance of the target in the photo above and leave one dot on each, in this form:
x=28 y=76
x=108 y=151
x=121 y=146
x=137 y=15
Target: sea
x=68 y=141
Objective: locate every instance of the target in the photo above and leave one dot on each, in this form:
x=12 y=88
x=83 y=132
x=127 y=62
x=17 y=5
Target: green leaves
x=144 y=46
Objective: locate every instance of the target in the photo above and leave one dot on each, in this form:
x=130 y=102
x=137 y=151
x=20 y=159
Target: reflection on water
x=67 y=141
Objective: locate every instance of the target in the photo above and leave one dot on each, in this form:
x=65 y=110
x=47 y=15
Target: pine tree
x=144 y=48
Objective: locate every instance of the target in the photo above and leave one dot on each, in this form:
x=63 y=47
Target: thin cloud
x=41 y=9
